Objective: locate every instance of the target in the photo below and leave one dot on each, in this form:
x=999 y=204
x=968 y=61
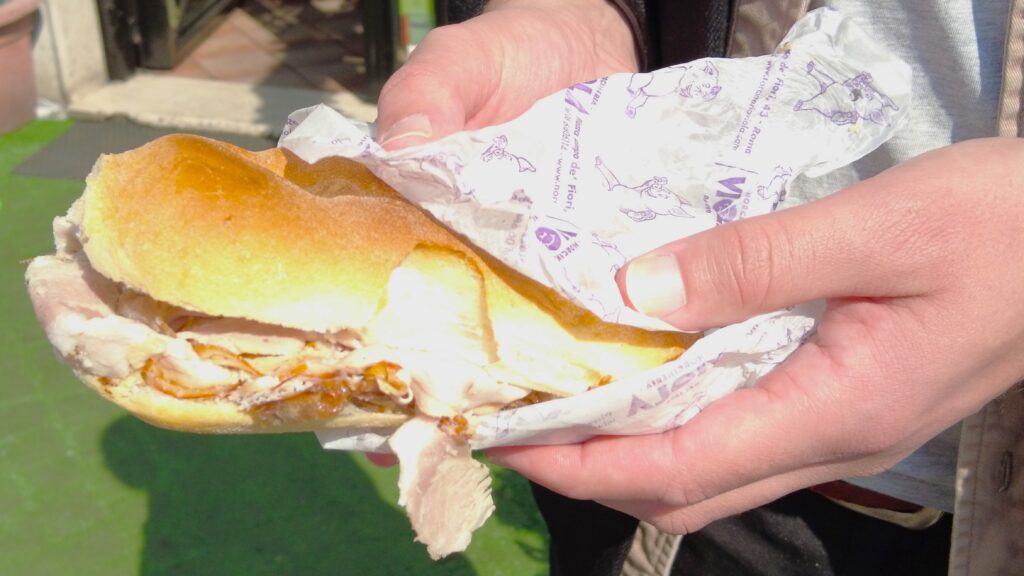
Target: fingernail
x=654 y=285
x=416 y=125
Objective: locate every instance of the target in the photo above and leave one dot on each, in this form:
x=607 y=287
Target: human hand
x=924 y=324
x=492 y=68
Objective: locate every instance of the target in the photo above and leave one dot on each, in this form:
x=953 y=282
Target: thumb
x=840 y=246
x=435 y=92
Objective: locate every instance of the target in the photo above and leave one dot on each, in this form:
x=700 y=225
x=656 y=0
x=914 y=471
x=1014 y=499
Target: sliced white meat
x=74 y=306
x=446 y=493
x=247 y=337
x=65 y=230
x=434 y=325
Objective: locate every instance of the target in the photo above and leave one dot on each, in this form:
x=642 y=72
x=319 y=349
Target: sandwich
x=207 y=288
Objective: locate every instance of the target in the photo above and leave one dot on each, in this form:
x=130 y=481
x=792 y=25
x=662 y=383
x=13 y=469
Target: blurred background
x=87 y=489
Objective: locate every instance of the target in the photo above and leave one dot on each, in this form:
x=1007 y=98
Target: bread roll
x=234 y=281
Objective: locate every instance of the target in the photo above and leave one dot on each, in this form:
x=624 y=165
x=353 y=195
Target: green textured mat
x=86 y=489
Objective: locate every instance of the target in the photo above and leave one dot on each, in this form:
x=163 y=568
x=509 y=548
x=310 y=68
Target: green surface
x=86 y=489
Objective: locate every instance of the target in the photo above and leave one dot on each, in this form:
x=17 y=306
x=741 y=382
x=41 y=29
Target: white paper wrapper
x=605 y=171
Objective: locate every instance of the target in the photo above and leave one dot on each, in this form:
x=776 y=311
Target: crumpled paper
x=604 y=171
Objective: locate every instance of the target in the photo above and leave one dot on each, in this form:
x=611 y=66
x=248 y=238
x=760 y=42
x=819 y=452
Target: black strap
x=455 y=11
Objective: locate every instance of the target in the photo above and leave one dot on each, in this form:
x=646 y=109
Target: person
x=915 y=249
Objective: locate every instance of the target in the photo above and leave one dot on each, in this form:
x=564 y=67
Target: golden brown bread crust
x=193 y=223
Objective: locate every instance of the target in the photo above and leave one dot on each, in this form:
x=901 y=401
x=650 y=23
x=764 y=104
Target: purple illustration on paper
x=600 y=257
x=687 y=80
x=552 y=239
x=775 y=189
x=498 y=151
x=571 y=99
x=613 y=255
x=847 y=101
x=443 y=162
x=648 y=200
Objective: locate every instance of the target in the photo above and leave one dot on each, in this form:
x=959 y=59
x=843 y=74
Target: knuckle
x=451 y=35
x=752 y=264
x=682 y=487
x=435 y=54
x=401 y=82
x=574 y=477
x=685 y=492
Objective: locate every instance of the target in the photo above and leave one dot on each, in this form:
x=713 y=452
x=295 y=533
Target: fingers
x=813 y=251
x=794 y=419
x=437 y=90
